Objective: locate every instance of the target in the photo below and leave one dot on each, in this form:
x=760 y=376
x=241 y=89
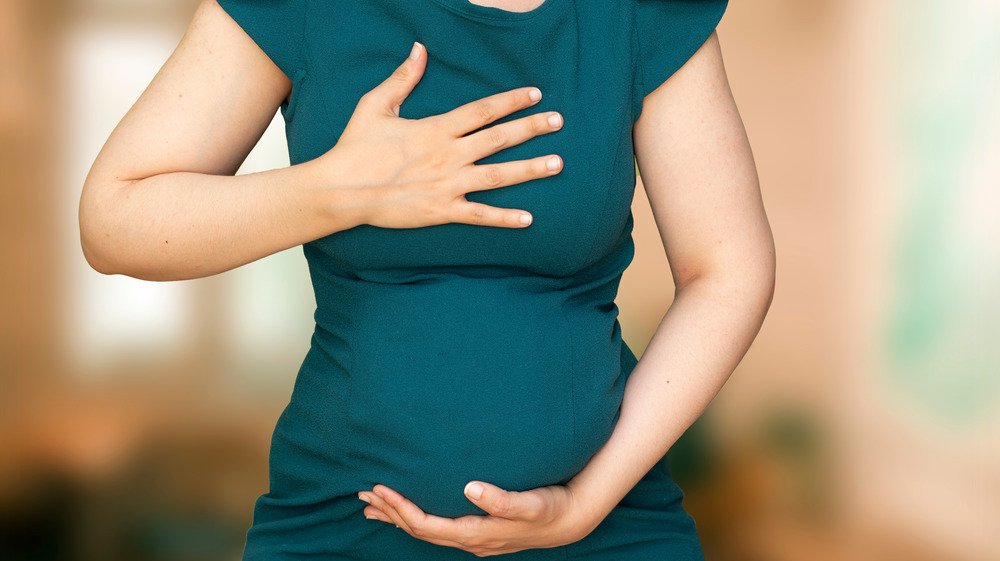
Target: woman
x=467 y=378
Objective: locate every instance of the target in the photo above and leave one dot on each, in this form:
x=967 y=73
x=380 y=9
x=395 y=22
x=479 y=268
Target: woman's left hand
x=539 y=518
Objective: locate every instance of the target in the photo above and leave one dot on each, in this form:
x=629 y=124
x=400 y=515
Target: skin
x=161 y=203
x=511 y=5
x=701 y=181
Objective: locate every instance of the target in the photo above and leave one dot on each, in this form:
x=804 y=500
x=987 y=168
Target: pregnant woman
x=464 y=210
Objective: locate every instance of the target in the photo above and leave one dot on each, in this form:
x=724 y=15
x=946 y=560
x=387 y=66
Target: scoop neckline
x=466 y=7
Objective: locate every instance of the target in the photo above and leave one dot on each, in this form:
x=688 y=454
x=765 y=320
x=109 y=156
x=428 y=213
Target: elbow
x=104 y=251
x=767 y=283
x=751 y=289
x=761 y=282
x=90 y=238
x=757 y=277
x=744 y=279
x=105 y=259
x=753 y=271
x=765 y=271
x=97 y=254
x=110 y=239
x=96 y=224
x=96 y=259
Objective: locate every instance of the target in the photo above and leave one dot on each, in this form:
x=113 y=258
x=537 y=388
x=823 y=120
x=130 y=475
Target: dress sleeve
x=276 y=26
x=667 y=33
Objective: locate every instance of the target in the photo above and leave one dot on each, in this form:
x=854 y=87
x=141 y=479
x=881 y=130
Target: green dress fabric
x=455 y=352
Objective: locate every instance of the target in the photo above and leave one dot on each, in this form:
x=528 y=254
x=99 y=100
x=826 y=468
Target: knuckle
x=477 y=215
x=367 y=99
x=502 y=505
x=485 y=111
x=496 y=137
x=493 y=176
x=401 y=73
x=539 y=124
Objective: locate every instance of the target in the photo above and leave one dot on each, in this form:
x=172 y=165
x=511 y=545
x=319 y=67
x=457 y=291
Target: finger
x=477 y=114
x=504 y=504
x=484 y=215
x=378 y=502
x=373 y=513
x=392 y=92
x=492 y=176
x=496 y=138
x=413 y=520
x=406 y=514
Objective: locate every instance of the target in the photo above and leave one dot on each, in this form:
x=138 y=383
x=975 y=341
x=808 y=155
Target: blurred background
x=864 y=424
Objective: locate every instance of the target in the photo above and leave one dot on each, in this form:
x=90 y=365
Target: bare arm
x=160 y=202
x=157 y=203
x=701 y=181
x=700 y=177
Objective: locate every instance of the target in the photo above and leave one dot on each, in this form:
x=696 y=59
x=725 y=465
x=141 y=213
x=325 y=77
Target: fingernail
x=379 y=495
x=525 y=219
x=553 y=163
x=534 y=94
x=364 y=498
x=415 y=51
x=370 y=517
x=474 y=491
x=555 y=120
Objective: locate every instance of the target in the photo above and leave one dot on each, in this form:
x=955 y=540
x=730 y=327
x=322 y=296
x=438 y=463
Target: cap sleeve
x=275 y=25
x=667 y=33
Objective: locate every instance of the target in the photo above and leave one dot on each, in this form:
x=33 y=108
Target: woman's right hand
x=413 y=173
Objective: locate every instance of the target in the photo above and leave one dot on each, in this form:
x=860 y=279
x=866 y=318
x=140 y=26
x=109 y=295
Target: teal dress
x=456 y=352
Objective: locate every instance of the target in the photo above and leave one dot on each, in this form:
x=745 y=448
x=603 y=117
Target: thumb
x=500 y=503
x=391 y=93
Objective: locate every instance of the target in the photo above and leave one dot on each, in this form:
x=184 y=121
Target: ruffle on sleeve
x=668 y=33
x=276 y=26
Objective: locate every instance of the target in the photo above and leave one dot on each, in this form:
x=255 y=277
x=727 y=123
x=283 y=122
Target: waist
x=426 y=386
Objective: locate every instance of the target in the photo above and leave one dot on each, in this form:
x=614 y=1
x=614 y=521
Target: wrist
x=590 y=507
x=339 y=204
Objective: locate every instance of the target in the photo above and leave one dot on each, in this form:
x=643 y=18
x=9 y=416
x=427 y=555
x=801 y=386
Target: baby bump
x=446 y=382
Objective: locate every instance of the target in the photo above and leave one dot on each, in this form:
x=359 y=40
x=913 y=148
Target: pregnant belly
x=428 y=386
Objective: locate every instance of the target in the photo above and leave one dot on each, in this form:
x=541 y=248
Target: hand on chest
x=589 y=83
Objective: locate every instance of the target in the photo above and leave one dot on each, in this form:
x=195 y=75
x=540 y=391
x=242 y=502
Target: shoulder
x=667 y=34
x=276 y=26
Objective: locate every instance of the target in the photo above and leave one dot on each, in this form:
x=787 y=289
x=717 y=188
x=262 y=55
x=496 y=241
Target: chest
x=581 y=61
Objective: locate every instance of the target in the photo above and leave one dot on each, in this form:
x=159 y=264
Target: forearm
x=701 y=339
x=185 y=225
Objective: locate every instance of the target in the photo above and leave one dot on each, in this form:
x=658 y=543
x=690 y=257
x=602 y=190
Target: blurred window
x=252 y=323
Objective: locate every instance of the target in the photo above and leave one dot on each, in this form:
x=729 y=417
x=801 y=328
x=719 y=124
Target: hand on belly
x=540 y=518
